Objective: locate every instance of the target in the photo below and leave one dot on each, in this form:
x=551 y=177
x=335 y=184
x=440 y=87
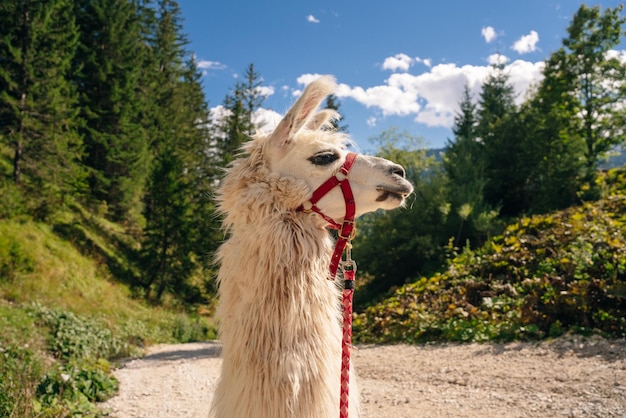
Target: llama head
x=302 y=147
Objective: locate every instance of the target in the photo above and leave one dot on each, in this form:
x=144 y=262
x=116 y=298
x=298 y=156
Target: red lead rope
x=345 y=235
x=349 y=271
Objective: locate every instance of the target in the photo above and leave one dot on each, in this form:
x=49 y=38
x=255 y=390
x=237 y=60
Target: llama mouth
x=386 y=194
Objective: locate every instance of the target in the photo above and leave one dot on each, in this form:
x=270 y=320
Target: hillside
x=64 y=317
x=544 y=276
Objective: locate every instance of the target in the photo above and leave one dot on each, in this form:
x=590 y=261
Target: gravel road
x=571 y=376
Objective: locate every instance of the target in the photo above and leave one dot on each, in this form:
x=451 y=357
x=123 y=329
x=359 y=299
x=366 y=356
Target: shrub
x=545 y=275
x=73 y=388
x=186 y=329
x=76 y=337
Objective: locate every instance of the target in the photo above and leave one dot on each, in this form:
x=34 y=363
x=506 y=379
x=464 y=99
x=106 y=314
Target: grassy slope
x=64 y=304
x=53 y=273
x=61 y=306
x=546 y=275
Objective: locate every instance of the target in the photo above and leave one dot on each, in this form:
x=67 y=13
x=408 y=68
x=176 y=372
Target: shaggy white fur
x=279 y=314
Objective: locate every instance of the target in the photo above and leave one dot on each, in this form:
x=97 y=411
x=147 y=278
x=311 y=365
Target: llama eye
x=324 y=158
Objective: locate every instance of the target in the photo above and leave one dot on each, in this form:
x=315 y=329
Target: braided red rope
x=349 y=271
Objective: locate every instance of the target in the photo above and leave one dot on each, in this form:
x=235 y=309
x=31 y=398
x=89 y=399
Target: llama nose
x=397 y=170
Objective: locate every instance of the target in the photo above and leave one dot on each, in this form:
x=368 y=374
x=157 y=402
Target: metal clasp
x=348 y=264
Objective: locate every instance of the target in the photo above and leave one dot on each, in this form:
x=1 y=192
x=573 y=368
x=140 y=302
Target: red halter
x=346 y=233
x=346 y=229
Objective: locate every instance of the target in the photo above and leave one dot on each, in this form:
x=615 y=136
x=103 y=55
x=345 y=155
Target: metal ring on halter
x=307 y=207
x=352 y=232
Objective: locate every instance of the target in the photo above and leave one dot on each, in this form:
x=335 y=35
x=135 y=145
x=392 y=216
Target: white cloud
x=396 y=97
x=210 y=65
x=426 y=61
x=312 y=19
x=371 y=121
x=398 y=62
x=265 y=90
x=523 y=75
x=441 y=89
x=527 y=43
x=620 y=55
x=489 y=33
x=266 y=119
x=432 y=97
x=304 y=79
x=497 y=59
x=218 y=112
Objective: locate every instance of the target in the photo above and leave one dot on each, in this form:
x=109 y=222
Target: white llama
x=279 y=313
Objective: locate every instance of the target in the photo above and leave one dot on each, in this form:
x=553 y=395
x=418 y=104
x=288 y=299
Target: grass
x=64 y=316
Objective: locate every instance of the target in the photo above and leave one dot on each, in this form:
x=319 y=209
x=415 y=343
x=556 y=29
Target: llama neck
x=284 y=249
x=280 y=318
x=274 y=269
x=280 y=269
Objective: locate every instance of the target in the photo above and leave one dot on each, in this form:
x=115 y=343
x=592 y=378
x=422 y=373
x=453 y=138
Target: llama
x=279 y=313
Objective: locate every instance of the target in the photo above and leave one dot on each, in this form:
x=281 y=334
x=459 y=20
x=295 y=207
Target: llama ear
x=302 y=110
x=323 y=119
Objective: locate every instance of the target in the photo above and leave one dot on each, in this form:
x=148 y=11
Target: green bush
x=76 y=337
x=186 y=329
x=544 y=276
x=73 y=388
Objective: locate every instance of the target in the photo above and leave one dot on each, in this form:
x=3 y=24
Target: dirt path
x=568 y=377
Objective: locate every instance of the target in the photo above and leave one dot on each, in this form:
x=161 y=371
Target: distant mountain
x=435 y=152
x=616 y=159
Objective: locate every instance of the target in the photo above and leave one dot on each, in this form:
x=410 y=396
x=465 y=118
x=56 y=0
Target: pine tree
x=238 y=124
x=166 y=259
x=37 y=103
x=200 y=173
x=167 y=242
x=599 y=80
x=180 y=222
x=553 y=150
x=496 y=102
x=499 y=134
x=110 y=62
x=464 y=164
x=252 y=97
x=332 y=102
x=466 y=120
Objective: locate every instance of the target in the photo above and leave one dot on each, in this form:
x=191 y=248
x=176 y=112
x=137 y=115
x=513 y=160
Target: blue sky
x=398 y=63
